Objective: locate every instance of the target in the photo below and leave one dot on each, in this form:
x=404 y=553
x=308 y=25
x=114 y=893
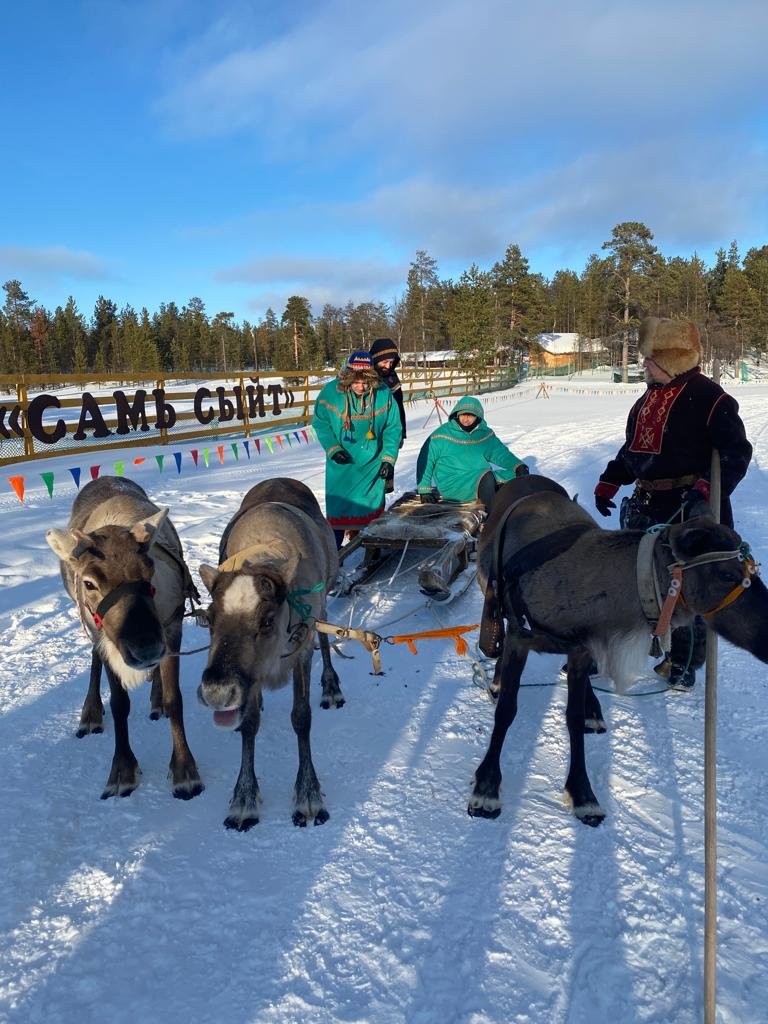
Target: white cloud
x=52 y=261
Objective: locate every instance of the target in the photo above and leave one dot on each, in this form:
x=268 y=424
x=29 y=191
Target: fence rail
x=45 y=416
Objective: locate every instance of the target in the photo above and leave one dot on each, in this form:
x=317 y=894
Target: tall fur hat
x=674 y=345
x=359 y=367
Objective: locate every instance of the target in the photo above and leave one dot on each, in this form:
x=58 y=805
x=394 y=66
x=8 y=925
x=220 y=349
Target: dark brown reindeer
x=570 y=587
x=121 y=562
x=277 y=560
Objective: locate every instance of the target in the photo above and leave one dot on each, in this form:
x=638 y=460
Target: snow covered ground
x=401 y=908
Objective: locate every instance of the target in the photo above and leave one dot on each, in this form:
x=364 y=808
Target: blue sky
x=244 y=152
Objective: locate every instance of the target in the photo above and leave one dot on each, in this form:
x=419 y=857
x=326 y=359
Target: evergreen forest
x=487 y=315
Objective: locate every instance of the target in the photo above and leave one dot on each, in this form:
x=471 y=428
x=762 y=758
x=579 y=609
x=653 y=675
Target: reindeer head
x=248 y=619
x=112 y=570
x=720 y=583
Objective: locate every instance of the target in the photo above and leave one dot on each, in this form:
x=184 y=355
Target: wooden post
x=710 y=779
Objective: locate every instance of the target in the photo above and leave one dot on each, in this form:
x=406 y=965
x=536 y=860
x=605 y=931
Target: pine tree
x=423 y=304
x=18 y=310
x=520 y=303
x=632 y=258
x=469 y=317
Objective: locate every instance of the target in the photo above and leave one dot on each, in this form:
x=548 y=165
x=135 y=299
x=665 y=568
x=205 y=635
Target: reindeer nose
x=218 y=693
x=145 y=655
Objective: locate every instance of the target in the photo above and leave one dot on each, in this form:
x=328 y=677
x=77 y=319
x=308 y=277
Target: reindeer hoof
x=590 y=814
x=88 y=729
x=482 y=811
x=594 y=725
x=241 y=824
x=155 y=714
x=299 y=819
x=186 y=783
x=322 y=816
x=122 y=783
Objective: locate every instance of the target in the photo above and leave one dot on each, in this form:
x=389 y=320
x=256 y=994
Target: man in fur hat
x=667 y=454
x=385 y=359
x=357 y=422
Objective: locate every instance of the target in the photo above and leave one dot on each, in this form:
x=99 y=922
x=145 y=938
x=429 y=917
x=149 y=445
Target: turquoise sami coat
x=354 y=493
x=455 y=460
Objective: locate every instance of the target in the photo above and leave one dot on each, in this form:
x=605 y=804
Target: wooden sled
x=450 y=528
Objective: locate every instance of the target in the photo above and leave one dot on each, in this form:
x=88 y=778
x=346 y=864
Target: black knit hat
x=384 y=348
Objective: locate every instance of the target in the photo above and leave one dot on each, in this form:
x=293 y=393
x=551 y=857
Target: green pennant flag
x=159 y=461
x=234 y=451
x=288 y=439
x=119 y=467
x=206 y=457
x=48 y=481
x=270 y=445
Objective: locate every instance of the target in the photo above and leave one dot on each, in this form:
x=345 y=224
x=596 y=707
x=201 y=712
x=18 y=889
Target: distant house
x=441 y=357
x=562 y=353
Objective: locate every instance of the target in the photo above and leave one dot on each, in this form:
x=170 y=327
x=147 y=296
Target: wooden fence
x=44 y=416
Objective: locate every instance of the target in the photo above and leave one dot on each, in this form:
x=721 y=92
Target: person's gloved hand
x=604 y=505
x=603 y=494
x=387 y=471
x=430 y=498
x=695 y=504
x=522 y=470
x=342 y=456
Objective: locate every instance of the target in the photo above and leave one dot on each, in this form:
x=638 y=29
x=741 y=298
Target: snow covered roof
x=440 y=356
x=558 y=344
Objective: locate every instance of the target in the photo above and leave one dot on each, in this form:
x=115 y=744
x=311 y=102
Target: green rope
x=302 y=609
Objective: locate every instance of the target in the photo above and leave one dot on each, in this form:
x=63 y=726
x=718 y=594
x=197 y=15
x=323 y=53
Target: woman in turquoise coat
x=357 y=421
x=465 y=458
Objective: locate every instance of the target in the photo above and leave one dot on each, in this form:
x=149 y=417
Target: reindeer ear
x=208 y=575
x=62 y=542
x=694 y=538
x=146 y=529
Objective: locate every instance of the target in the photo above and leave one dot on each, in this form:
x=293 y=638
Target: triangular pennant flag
x=159 y=461
x=95 y=472
x=257 y=442
x=306 y=437
x=234 y=451
x=279 y=440
x=270 y=446
x=288 y=439
x=193 y=453
x=119 y=467
x=247 y=446
x=296 y=435
x=75 y=471
x=177 y=459
x=48 y=481
x=220 y=450
x=139 y=460
x=206 y=457
x=17 y=483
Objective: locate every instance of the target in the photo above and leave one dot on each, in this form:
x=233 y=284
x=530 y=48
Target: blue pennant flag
x=75 y=471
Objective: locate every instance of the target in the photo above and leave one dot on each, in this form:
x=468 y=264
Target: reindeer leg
x=125 y=772
x=185 y=778
x=578 y=790
x=92 y=715
x=593 y=713
x=484 y=801
x=244 y=805
x=332 y=695
x=308 y=797
x=156 y=696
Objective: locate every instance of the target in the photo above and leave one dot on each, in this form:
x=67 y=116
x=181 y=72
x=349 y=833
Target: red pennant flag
x=17 y=483
x=193 y=453
x=279 y=440
x=304 y=435
x=257 y=442
x=95 y=472
x=138 y=462
x=220 y=450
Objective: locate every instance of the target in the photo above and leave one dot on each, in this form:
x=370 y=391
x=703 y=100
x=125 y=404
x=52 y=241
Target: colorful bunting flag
x=17 y=483
x=234 y=451
x=257 y=442
x=193 y=453
x=75 y=471
x=177 y=459
x=119 y=467
x=279 y=440
x=220 y=450
x=139 y=460
x=306 y=438
x=48 y=481
x=270 y=446
x=95 y=472
x=206 y=457
x=247 y=446
x=296 y=435
x=159 y=461
x=288 y=439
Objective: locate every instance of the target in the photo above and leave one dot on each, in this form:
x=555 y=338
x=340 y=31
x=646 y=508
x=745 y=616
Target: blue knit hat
x=360 y=361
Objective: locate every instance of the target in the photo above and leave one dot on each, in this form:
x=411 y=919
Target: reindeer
x=277 y=560
x=566 y=586
x=122 y=565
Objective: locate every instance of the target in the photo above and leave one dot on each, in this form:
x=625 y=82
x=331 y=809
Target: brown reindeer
x=277 y=560
x=566 y=586
x=121 y=563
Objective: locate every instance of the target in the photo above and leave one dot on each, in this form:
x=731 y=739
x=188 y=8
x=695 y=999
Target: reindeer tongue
x=227 y=719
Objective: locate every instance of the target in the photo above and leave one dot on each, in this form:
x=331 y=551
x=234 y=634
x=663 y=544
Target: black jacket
x=385 y=348
x=671 y=431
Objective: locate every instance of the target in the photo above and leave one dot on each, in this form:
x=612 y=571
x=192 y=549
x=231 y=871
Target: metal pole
x=710 y=779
